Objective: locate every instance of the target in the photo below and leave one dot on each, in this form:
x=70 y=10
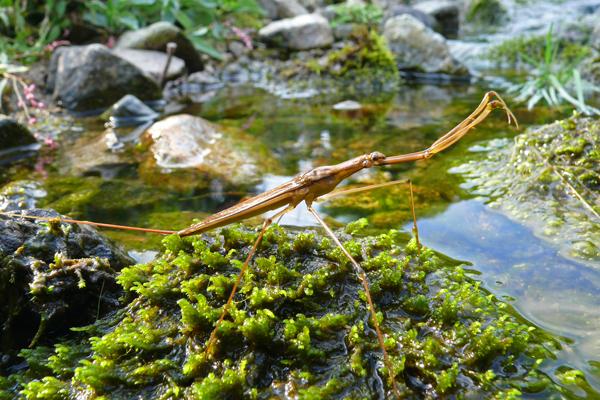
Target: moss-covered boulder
x=299 y=327
x=549 y=179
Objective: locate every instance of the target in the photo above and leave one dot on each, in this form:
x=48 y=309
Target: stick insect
x=319 y=183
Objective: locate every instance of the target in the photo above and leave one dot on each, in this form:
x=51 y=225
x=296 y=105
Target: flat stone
x=156 y=37
x=347 y=105
x=152 y=63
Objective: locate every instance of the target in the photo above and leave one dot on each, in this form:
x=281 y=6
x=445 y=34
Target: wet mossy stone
x=299 y=327
x=53 y=276
x=13 y=134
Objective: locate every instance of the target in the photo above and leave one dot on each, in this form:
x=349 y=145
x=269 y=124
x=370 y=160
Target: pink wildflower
x=32 y=120
x=51 y=143
x=243 y=36
x=57 y=43
x=110 y=43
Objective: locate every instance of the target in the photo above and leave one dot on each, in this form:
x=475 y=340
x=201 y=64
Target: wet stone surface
x=52 y=276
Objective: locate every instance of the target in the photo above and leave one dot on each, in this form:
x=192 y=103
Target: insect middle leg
x=362 y=276
x=213 y=335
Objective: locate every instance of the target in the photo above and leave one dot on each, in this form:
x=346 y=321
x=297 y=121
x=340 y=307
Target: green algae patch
x=365 y=59
x=549 y=179
x=299 y=327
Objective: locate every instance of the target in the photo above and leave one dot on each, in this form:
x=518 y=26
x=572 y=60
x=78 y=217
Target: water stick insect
x=317 y=184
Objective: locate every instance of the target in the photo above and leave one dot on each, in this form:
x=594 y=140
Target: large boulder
x=13 y=134
x=152 y=63
x=445 y=12
x=188 y=152
x=278 y=9
x=304 y=32
x=156 y=37
x=418 y=48
x=92 y=77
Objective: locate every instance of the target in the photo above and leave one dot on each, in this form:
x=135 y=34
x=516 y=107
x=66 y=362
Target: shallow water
x=560 y=295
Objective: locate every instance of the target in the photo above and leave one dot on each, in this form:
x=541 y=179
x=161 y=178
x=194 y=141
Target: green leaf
x=206 y=48
x=129 y=21
x=184 y=20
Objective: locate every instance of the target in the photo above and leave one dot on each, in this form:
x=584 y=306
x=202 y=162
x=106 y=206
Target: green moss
x=297 y=321
x=486 y=11
x=366 y=61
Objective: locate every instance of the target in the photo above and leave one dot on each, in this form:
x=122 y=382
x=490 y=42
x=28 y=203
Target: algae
x=299 y=327
x=365 y=60
x=549 y=179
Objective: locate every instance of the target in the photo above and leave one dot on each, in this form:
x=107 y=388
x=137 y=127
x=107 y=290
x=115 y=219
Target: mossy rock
x=549 y=179
x=365 y=60
x=299 y=327
x=491 y=12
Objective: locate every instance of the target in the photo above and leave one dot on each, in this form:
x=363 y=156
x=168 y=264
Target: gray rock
x=13 y=134
x=152 y=63
x=278 y=9
x=156 y=37
x=418 y=48
x=130 y=111
x=397 y=10
x=445 y=12
x=86 y=78
x=188 y=143
x=304 y=32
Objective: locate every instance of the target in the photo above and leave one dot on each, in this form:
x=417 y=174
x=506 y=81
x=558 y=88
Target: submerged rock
x=53 y=276
x=549 y=180
x=299 y=327
x=303 y=32
x=189 y=152
x=128 y=111
x=156 y=37
x=418 y=48
x=86 y=78
x=347 y=105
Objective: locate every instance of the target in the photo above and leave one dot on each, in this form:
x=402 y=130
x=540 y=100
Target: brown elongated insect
x=319 y=183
